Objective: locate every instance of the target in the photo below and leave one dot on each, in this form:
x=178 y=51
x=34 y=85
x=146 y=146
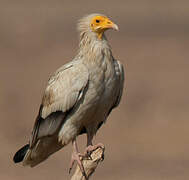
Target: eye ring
x=97 y=21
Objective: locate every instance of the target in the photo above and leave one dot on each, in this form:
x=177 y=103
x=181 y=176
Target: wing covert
x=64 y=89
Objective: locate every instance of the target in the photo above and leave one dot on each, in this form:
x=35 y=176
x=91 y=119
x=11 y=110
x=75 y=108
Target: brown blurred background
x=147 y=137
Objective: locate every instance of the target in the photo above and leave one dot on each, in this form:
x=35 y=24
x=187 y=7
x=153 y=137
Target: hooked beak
x=115 y=26
x=111 y=25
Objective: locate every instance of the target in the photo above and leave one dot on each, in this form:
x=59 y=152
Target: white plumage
x=80 y=95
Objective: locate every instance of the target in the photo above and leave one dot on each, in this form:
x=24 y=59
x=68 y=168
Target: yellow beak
x=110 y=25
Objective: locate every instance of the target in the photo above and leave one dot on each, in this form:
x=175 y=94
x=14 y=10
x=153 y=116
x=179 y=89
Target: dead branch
x=89 y=165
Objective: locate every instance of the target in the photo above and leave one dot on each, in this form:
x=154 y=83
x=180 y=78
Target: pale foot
x=76 y=157
x=89 y=149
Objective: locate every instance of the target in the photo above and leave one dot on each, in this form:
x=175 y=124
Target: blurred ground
x=146 y=138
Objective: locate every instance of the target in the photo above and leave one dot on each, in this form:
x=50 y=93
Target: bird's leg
x=76 y=157
x=90 y=147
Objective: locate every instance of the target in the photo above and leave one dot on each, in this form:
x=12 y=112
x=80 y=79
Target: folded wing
x=65 y=89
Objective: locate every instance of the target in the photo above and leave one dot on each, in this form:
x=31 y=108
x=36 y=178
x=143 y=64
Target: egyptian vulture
x=79 y=96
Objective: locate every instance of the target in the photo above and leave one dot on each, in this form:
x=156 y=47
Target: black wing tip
x=19 y=156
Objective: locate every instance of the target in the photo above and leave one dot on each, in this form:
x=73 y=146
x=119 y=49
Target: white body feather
x=82 y=92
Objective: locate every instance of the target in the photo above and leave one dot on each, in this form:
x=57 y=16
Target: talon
x=88 y=155
x=89 y=149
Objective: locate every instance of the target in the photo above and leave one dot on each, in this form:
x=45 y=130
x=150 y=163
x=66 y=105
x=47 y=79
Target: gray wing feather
x=120 y=73
x=65 y=88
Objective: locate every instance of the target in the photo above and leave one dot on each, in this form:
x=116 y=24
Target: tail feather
x=19 y=156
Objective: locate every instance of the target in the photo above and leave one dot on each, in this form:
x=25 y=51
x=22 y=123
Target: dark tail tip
x=19 y=156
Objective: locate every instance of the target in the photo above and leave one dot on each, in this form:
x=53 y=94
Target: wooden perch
x=89 y=165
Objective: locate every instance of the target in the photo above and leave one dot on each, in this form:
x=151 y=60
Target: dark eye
x=97 y=21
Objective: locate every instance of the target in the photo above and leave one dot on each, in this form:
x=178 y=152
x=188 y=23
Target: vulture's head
x=96 y=24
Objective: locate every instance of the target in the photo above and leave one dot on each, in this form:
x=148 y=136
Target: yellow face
x=101 y=23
